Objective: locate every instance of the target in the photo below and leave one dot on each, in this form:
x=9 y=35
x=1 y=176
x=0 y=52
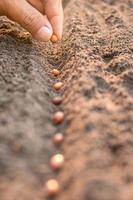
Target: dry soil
x=95 y=57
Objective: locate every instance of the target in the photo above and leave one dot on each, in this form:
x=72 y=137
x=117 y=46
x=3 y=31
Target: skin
x=42 y=18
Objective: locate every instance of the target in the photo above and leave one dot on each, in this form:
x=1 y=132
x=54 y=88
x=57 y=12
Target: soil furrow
x=99 y=109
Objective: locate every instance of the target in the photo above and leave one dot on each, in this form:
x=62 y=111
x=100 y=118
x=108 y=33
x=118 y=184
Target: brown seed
x=58 y=85
x=52 y=188
x=54 y=39
x=58 y=117
x=57 y=100
x=57 y=162
x=17 y=147
x=58 y=139
x=55 y=72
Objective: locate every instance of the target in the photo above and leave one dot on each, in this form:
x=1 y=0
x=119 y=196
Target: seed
x=58 y=85
x=55 y=72
x=58 y=117
x=54 y=39
x=17 y=147
x=58 y=139
x=57 y=162
x=57 y=100
x=52 y=188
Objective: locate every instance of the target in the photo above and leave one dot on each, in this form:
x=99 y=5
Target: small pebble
x=58 y=117
x=52 y=188
x=58 y=139
x=55 y=72
x=57 y=100
x=57 y=162
x=54 y=39
x=58 y=85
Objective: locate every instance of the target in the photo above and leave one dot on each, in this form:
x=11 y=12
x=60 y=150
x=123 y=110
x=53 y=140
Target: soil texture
x=95 y=57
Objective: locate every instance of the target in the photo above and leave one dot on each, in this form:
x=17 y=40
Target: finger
x=54 y=12
x=2 y=8
x=30 y=18
x=37 y=4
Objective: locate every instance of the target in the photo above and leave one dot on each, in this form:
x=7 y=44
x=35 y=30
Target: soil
x=95 y=57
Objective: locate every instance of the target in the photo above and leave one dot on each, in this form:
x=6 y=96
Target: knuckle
x=30 y=19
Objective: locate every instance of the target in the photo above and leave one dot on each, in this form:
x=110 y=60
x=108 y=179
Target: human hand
x=42 y=18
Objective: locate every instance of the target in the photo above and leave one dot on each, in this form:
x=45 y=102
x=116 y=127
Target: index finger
x=54 y=11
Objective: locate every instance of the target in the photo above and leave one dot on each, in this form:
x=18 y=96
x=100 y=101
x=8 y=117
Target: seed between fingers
x=54 y=39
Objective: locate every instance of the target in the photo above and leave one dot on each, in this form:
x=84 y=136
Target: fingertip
x=54 y=12
x=31 y=19
x=57 y=24
x=43 y=34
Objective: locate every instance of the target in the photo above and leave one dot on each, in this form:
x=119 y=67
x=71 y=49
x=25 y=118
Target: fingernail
x=44 y=34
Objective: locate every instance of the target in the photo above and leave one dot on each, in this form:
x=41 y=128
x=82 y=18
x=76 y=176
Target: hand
x=42 y=18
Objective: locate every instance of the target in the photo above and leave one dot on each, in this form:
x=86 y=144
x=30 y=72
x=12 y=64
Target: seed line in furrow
x=52 y=187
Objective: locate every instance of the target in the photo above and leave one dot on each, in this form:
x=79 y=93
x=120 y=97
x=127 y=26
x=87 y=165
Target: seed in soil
x=58 y=117
x=57 y=162
x=55 y=72
x=58 y=85
x=58 y=139
x=57 y=100
x=52 y=188
x=54 y=39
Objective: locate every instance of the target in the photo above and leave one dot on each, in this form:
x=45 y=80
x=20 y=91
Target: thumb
x=30 y=18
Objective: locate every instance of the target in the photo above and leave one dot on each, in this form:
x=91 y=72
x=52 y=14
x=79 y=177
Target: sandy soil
x=96 y=62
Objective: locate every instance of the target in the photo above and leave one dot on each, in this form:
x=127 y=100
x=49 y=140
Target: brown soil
x=96 y=62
